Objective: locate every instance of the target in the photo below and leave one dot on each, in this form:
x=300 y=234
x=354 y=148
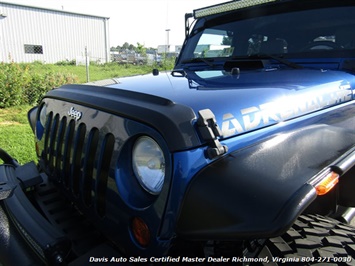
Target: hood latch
x=210 y=132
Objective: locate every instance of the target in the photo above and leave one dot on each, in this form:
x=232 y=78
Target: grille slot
x=47 y=135
x=79 y=157
x=78 y=150
x=68 y=146
x=89 y=161
x=53 y=134
x=59 y=147
x=103 y=171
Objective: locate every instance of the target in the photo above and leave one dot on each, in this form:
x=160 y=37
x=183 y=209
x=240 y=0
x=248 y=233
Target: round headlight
x=149 y=164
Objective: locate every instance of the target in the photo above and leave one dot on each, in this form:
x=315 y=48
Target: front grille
x=78 y=157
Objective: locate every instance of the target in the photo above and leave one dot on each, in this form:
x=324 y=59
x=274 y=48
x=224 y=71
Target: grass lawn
x=16 y=136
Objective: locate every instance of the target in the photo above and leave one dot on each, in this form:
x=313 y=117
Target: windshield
x=310 y=33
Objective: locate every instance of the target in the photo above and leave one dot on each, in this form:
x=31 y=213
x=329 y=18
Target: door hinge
x=210 y=132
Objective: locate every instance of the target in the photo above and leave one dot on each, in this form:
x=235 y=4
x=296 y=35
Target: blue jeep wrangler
x=244 y=153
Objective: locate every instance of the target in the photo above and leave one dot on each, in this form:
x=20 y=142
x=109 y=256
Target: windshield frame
x=267 y=15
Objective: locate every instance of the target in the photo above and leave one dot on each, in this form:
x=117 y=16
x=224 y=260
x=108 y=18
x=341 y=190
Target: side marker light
x=327 y=183
x=140 y=231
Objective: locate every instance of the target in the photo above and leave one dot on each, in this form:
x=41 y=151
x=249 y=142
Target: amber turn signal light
x=140 y=231
x=327 y=183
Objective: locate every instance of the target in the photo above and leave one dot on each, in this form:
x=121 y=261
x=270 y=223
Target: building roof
x=51 y=9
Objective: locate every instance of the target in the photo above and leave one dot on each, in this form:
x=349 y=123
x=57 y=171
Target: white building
x=29 y=33
x=169 y=49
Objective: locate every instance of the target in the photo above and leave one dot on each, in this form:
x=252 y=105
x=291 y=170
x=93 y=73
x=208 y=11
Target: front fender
x=260 y=190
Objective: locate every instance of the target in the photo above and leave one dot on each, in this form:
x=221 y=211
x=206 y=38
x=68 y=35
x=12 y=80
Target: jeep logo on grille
x=75 y=114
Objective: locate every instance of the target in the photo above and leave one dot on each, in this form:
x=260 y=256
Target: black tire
x=312 y=240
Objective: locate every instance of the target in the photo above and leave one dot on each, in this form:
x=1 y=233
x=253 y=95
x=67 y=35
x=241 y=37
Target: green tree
x=131 y=47
x=125 y=46
x=140 y=49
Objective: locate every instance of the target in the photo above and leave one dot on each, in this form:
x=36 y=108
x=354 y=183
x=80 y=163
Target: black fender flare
x=259 y=191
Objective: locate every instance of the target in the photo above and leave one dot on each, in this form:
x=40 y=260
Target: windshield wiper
x=277 y=58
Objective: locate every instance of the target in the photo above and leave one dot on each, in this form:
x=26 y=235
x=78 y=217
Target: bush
x=13 y=79
x=167 y=63
x=40 y=84
x=66 y=63
x=20 y=85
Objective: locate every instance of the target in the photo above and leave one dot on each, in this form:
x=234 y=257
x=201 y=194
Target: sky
x=133 y=21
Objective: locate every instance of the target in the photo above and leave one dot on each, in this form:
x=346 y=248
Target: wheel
x=313 y=240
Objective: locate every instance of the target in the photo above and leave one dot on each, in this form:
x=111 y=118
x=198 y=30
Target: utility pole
x=87 y=64
x=167 y=49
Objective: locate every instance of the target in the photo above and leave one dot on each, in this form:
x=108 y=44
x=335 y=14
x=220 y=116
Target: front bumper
x=24 y=229
x=40 y=225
